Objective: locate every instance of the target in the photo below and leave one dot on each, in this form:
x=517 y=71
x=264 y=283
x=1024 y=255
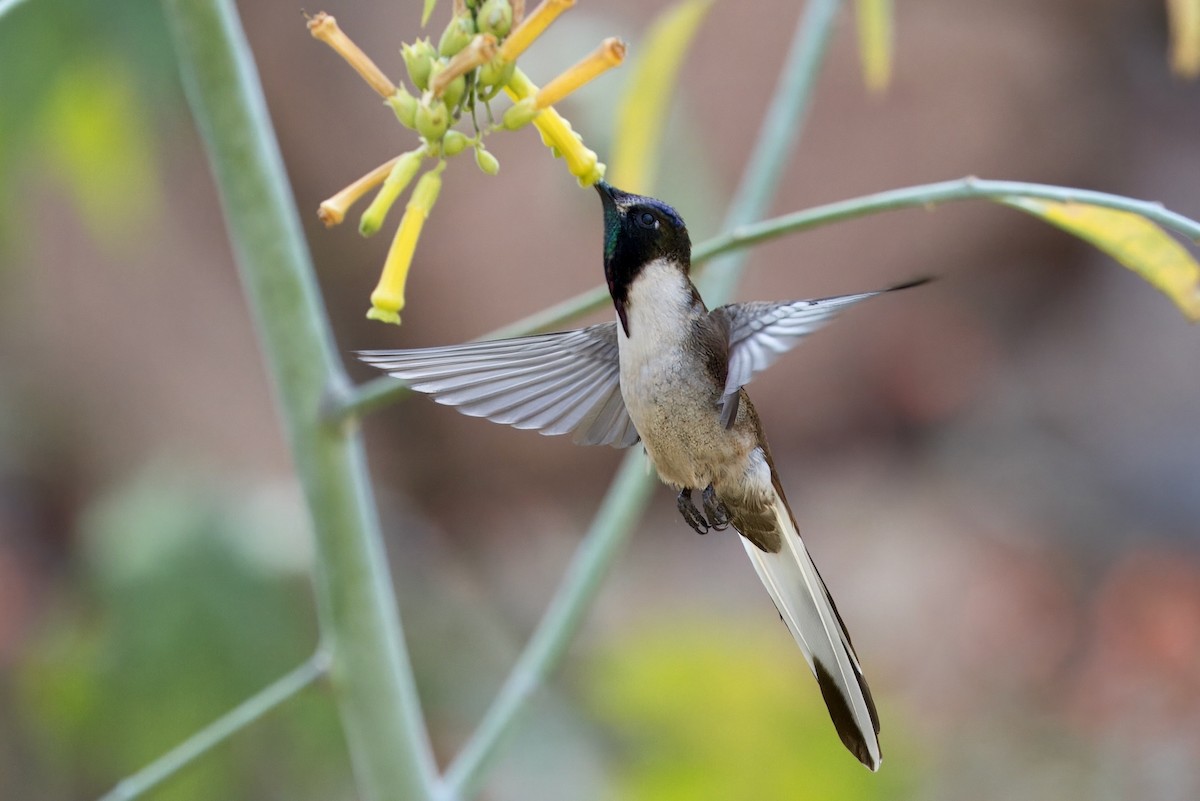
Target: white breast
x=668 y=392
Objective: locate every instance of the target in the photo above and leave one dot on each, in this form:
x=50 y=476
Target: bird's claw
x=690 y=513
x=715 y=510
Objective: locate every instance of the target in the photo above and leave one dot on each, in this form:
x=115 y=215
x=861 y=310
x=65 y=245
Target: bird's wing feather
x=561 y=383
x=759 y=333
x=806 y=607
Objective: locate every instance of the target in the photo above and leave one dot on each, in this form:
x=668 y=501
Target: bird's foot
x=715 y=510
x=690 y=513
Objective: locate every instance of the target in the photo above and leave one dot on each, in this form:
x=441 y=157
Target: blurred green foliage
x=172 y=621
x=705 y=710
x=84 y=87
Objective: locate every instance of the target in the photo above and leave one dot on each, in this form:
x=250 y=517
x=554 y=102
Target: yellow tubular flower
x=388 y=298
x=333 y=210
x=558 y=135
x=531 y=27
x=609 y=54
x=325 y=28
x=403 y=171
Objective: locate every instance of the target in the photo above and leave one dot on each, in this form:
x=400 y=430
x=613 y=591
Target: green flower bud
x=454 y=90
x=458 y=34
x=495 y=17
x=486 y=161
x=418 y=58
x=405 y=107
x=521 y=114
x=455 y=142
x=432 y=119
x=496 y=73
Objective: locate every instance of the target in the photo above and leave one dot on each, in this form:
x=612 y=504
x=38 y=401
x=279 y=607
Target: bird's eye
x=647 y=220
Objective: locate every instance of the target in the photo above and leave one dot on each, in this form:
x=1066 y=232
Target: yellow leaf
x=1131 y=239
x=645 y=103
x=427 y=11
x=1184 y=18
x=875 y=42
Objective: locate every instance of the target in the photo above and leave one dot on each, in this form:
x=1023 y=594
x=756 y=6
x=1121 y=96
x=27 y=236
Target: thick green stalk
x=220 y=729
x=370 y=671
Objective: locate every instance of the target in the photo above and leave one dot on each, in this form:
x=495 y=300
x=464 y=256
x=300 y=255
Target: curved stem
x=620 y=510
x=926 y=195
x=370 y=672
x=220 y=729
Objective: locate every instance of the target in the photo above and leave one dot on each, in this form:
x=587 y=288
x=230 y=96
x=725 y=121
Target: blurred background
x=998 y=474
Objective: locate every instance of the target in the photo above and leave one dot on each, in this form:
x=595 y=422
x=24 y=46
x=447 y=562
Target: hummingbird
x=671 y=373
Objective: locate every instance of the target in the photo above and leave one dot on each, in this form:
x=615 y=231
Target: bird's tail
x=807 y=608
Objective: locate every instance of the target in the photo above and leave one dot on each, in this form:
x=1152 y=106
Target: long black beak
x=608 y=194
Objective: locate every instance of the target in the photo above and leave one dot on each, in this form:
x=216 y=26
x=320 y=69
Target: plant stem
x=630 y=490
x=781 y=127
x=220 y=729
x=370 y=671
x=620 y=510
x=929 y=194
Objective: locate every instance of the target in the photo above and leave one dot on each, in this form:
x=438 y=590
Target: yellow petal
x=875 y=42
x=1131 y=239
x=1184 y=18
x=558 y=135
x=646 y=102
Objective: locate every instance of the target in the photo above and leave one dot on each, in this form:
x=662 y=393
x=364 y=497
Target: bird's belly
x=676 y=414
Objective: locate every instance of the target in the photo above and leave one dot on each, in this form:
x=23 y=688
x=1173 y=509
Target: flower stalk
x=531 y=27
x=609 y=54
x=333 y=210
x=325 y=28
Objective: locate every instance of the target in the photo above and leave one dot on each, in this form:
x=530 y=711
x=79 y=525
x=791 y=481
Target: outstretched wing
x=759 y=333
x=561 y=383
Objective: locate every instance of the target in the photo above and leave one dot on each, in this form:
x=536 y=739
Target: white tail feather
x=805 y=606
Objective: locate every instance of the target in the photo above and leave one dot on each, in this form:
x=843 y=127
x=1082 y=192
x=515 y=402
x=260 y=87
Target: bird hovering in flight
x=671 y=373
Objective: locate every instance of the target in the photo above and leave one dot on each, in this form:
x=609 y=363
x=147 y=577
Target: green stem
x=630 y=490
x=777 y=137
x=220 y=729
x=370 y=671
x=610 y=530
x=929 y=194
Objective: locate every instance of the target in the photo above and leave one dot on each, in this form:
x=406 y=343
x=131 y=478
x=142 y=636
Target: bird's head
x=637 y=231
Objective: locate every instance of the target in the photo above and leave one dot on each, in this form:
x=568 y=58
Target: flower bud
x=520 y=114
x=405 y=107
x=495 y=73
x=418 y=58
x=495 y=17
x=454 y=142
x=432 y=119
x=458 y=34
x=453 y=92
x=486 y=161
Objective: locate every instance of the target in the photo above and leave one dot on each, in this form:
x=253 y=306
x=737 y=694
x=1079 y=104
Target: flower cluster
x=453 y=82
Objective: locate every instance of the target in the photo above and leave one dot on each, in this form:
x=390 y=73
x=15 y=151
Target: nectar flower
x=388 y=298
x=474 y=59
